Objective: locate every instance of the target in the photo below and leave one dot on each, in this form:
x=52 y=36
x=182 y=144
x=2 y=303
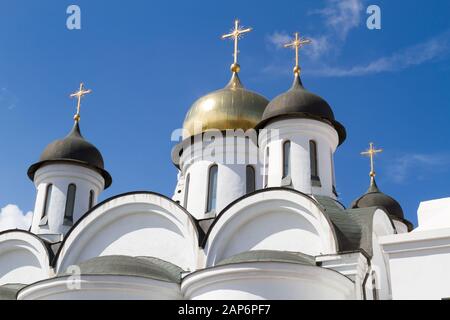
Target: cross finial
x=236 y=35
x=79 y=94
x=371 y=152
x=296 y=44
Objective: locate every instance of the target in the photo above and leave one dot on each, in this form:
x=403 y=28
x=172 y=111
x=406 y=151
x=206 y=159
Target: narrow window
x=333 y=174
x=186 y=190
x=374 y=287
x=91 y=199
x=48 y=196
x=313 y=160
x=286 y=159
x=212 y=189
x=250 y=179
x=333 y=177
x=70 y=204
x=266 y=168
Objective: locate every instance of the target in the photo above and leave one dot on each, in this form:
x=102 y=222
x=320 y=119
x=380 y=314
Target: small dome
x=375 y=198
x=73 y=148
x=299 y=102
x=232 y=107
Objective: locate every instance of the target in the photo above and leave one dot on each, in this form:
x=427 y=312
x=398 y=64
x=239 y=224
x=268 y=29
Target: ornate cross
x=371 y=153
x=79 y=94
x=236 y=35
x=297 y=43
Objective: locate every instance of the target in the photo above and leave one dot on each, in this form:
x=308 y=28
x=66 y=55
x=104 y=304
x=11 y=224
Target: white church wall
x=23 y=259
x=134 y=225
x=353 y=265
x=268 y=280
x=198 y=186
x=102 y=288
x=180 y=192
x=382 y=226
x=400 y=226
x=61 y=176
x=269 y=220
x=419 y=262
x=300 y=132
x=232 y=155
x=434 y=214
x=300 y=175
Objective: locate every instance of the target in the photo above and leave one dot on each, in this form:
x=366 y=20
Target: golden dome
x=232 y=107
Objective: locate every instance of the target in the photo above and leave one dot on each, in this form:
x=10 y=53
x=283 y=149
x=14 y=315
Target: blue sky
x=148 y=61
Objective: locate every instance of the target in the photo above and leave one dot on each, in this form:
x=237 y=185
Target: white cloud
x=341 y=15
x=416 y=165
x=316 y=49
x=11 y=217
x=319 y=46
x=432 y=49
x=279 y=39
x=7 y=99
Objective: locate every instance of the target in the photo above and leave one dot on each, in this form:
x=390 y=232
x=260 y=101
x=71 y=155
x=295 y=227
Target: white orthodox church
x=255 y=215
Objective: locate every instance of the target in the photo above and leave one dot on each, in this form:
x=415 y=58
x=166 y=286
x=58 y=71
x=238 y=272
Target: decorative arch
x=24 y=258
x=270 y=219
x=134 y=224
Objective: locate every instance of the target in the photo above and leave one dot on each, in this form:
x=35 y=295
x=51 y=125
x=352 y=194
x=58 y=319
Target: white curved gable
x=140 y=224
x=271 y=220
x=23 y=258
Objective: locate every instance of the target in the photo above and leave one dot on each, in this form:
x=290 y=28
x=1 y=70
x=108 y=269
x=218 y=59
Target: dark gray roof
x=9 y=291
x=375 y=198
x=299 y=102
x=146 y=267
x=270 y=256
x=353 y=227
x=74 y=149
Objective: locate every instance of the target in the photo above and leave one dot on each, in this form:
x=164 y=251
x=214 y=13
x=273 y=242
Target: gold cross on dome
x=297 y=43
x=371 y=152
x=79 y=94
x=236 y=35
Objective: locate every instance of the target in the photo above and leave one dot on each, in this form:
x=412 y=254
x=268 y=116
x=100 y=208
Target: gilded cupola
x=232 y=107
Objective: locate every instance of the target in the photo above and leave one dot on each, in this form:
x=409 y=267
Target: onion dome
x=72 y=149
x=298 y=102
x=232 y=107
x=375 y=198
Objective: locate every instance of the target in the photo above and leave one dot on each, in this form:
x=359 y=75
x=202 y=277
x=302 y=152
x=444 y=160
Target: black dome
x=73 y=148
x=299 y=102
x=375 y=198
